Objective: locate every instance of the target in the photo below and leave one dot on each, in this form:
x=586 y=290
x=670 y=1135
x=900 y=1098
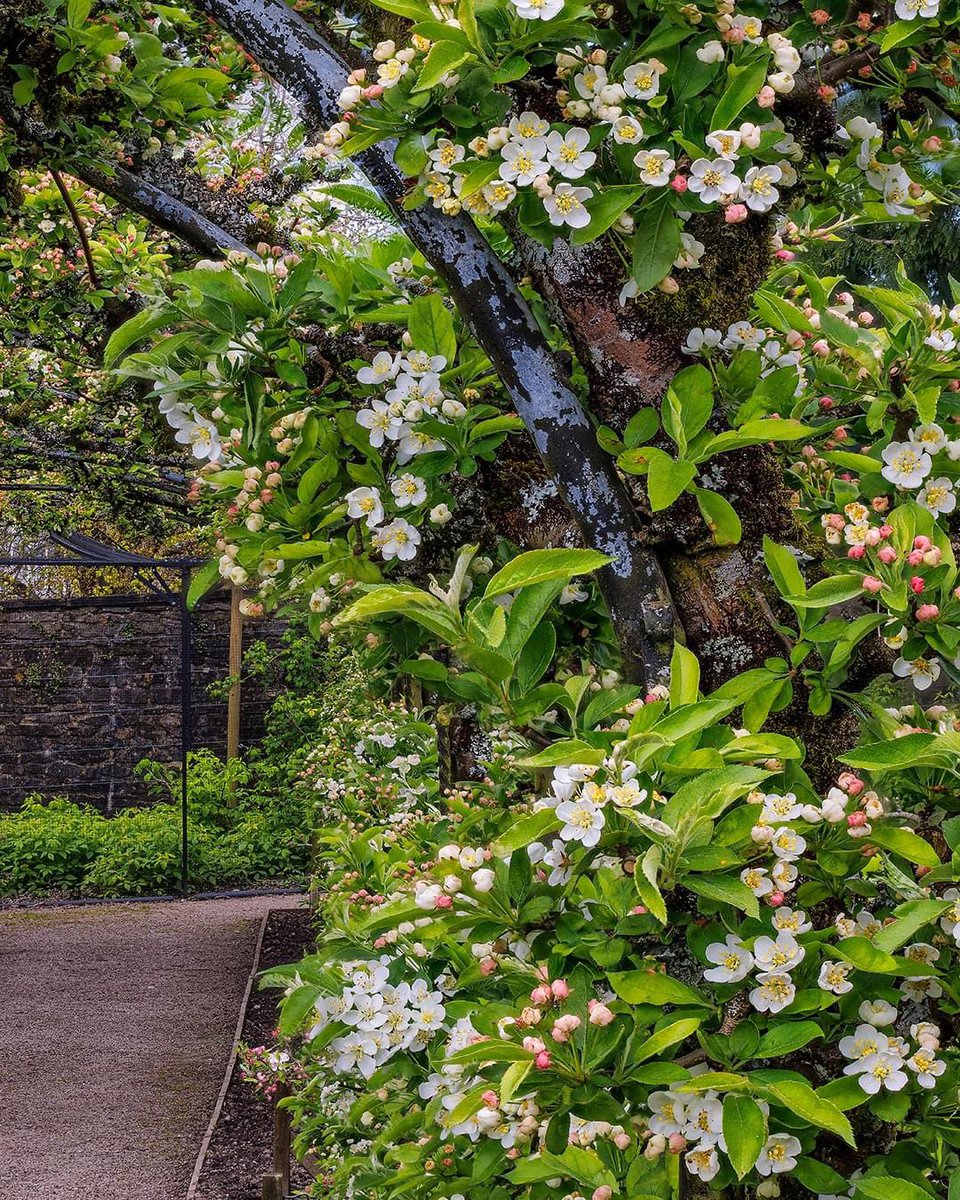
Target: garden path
x=116 y=1023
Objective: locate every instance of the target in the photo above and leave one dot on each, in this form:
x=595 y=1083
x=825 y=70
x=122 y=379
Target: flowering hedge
x=649 y=950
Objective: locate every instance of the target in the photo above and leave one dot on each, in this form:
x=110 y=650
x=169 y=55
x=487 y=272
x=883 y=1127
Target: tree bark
x=630 y=353
x=634 y=585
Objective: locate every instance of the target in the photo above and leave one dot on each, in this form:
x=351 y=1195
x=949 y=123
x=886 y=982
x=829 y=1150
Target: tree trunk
x=630 y=353
x=634 y=585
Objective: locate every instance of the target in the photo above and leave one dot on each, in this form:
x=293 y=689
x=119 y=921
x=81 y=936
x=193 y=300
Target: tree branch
x=160 y=209
x=158 y=206
x=78 y=226
x=634 y=585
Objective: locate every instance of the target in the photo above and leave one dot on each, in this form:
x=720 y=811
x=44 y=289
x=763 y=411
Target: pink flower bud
x=373 y=92
x=932 y=557
x=766 y=97
x=679 y=183
x=775 y=899
x=915 y=558
x=856 y=820
x=856 y=552
x=621 y=1141
x=488 y=966
x=916 y=585
x=600 y=1014
x=820 y=347
x=733 y=36
x=820 y=16
x=733 y=214
x=885 y=530
x=604 y=1192
x=887 y=555
x=543 y=1060
x=534 y=1045
x=928 y=612
x=490 y=1099
x=560 y=989
x=932 y=145
x=541 y=995
x=785 y=255
x=641 y=910
x=676 y=1142
x=922 y=543
x=852 y=784
x=443 y=902
x=826 y=403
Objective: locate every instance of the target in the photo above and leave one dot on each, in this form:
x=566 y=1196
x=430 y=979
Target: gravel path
x=115 y=1027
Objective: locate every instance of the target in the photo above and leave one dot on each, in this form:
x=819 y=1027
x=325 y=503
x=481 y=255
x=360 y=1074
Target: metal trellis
x=57 y=550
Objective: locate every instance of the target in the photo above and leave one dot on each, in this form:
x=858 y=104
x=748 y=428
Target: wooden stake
x=273 y=1188
x=234 y=668
x=281 y=1138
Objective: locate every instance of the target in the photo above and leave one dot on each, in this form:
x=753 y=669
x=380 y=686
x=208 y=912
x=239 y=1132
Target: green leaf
x=908 y=845
x=910 y=918
x=563 y=754
x=754 y=433
x=431 y=327
x=719 y=516
x=296 y=1007
x=784 y=1039
x=744 y=84
x=655 y=245
x=652 y=987
x=726 y=890
x=783 y=568
x=828 y=592
x=645 y=878
x=800 y=1099
x=666 y=478
x=443 y=58
x=886 y=1187
x=526 y=830
x=684 y=677
x=202 y=581
x=780 y=313
x=131 y=332
x=478 y=176
x=744 y=1130
x=818 y=1177
x=604 y=208
x=663 y=1039
x=911 y=750
x=688 y=403
x=536 y=566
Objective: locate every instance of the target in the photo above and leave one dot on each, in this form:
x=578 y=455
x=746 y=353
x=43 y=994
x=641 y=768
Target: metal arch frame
x=77 y=550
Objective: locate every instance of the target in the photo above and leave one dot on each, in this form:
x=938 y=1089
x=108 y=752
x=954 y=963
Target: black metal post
x=186 y=727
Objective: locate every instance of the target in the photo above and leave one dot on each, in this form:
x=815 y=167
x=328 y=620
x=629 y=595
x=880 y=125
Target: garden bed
x=241 y=1148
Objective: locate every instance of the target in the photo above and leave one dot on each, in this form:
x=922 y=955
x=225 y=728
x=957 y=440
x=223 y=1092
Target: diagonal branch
x=160 y=208
x=634 y=586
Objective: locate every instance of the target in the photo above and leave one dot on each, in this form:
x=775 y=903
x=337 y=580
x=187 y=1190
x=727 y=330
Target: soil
x=241 y=1149
x=116 y=1024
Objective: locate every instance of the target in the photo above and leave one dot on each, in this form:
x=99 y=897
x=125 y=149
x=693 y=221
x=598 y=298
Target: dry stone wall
x=89 y=689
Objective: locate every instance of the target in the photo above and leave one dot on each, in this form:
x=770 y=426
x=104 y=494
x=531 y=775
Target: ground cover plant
x=247 y=825
x=637 y=820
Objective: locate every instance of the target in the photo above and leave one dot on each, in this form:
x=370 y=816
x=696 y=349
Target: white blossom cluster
x=699 y=1119
x=909 y=464
x=412 y=378
x=382 y=1019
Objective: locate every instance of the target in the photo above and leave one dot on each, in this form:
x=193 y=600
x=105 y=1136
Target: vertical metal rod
x=186 y=730
x=235 y=666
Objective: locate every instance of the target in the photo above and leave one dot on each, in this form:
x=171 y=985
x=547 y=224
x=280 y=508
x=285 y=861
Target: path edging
x=231 y=1063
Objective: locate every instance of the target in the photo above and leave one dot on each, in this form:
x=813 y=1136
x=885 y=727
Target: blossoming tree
x=692 y=924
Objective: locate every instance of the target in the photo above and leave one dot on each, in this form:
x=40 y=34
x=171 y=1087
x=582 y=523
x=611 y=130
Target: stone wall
x=88 y=688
